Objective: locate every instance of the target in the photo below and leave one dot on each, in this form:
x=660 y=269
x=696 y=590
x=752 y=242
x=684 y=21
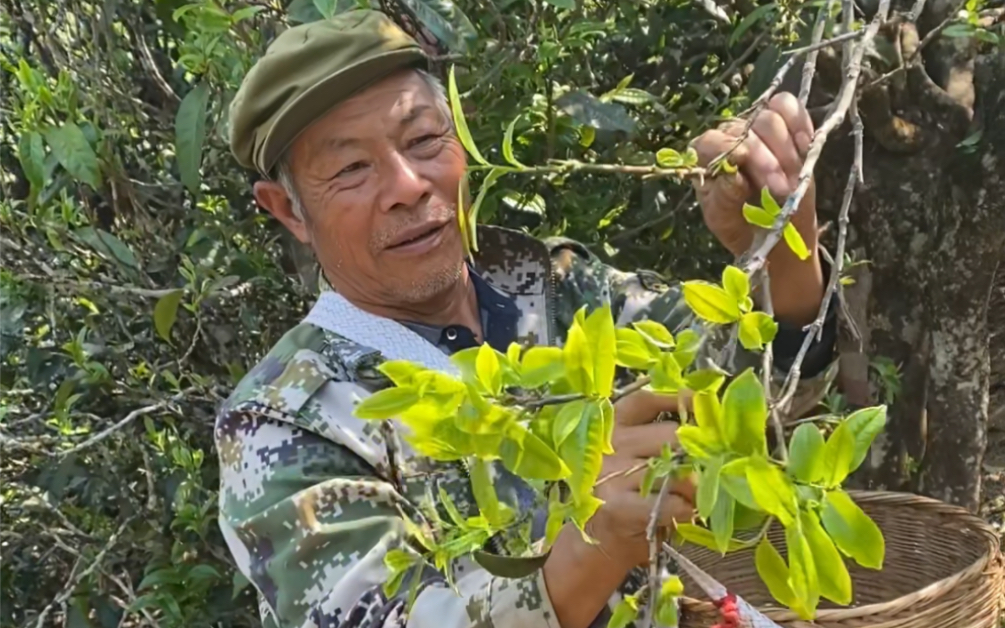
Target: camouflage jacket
x=311 y=498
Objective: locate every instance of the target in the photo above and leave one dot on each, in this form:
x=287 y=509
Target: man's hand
x=771 y=156
x=580 y=577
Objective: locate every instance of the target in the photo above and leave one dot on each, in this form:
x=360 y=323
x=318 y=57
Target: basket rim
x=992 y=557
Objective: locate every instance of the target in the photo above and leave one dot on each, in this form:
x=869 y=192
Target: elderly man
x=356 y=144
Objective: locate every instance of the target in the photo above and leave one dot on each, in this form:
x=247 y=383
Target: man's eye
x=425 y=139
x=350 y=169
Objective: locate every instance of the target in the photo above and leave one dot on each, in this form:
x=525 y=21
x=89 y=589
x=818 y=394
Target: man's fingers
x=643 y=406
x=713 y=143
x=674 y=509
x=796 y=117
x=644 y=441
x=773 y=132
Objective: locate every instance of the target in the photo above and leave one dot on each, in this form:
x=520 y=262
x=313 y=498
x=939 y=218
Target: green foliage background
x=139 y=281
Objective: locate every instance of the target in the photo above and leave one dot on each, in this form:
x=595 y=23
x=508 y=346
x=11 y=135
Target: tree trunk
x=930 y=218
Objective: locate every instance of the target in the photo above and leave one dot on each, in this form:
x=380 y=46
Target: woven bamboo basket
x=944 y=568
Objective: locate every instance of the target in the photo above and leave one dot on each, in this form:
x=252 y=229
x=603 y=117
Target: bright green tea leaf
x=656 y=333
x=853 y=531
x=710 y=302
x=757 y=216
x=632 y=351
x=806 y=459
x=485 y=492
x=749 y=334
x=532 y=458
x=190 y=133
x=704 y=380
x=626 y=612
x=488 y=369
x=666 y=375
x=838 y=454
x=74 y=153
x=582 y=452
x=669 y=158
x=507 y=147
x=708 y=413
x=769 y=204
x=835 y=582
x=772 y=490
x=578 y=361
x=166 y=312
x=567 y=420
x=400 y=372
x=666 y=604
x=387 y=403
x=708 y=487
x=802 y=574
x=698 y=442
x=460 y=123
x=722 y=520
x=746 y=414
x=736 y=283
x=795 y=241
x=541 y=365
x=774 y=572
x=865 y=425
x=704 y=537
x=600 y=331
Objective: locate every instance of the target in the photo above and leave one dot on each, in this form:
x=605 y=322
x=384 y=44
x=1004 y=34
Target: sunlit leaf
x=722 y=519
x=757 y=216
x=853 y=531
x=31 y=154
x=578 y=359
x=708 y=487
x=774 y=572
x=567 y=420
x=736 y=283
x=507 y=147
x=190 y=133
x=704 y=537
x=666 y=603
x=745 y=411
x=802 y=574
x=769 y=204
x=710 y=302
x=795 y=241
x=838 y=453
x=488 y=369
x=400 y=372
x=669 y=158
x=599 y=330
x=626 y=612
x=582 y=452
x=460 y=122
x=632 y=351
x=806 y=460
x=485 y=493
x=655 y=332
x=708 y=413
x=772 y=490
x=541 y=365
x=166 y=312
x=698 y=442
x=385 y=404
x=835 y=582
x=865 y=425
x=532 y=458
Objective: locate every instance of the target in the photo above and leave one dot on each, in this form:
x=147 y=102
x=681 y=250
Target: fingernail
x=802 y=142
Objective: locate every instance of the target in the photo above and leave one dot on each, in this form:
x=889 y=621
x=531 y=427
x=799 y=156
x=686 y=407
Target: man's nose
x=404 y=186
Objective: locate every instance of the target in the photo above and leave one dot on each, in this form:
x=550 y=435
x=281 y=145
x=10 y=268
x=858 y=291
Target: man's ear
x=274 y=198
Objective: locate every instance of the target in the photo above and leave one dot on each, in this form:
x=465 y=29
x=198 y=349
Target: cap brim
x=315 y=102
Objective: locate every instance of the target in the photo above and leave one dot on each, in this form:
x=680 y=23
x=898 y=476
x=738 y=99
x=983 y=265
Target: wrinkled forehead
x=379 y=111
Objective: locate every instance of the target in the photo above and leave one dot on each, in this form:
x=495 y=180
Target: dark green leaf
x=751 y=18
x=510 y=566
x=746 y=414
x=107 y=244
x=190 y=133
x=806 y=459
x=31 y=153
x=591 y=111
x=562 y=4
x=765 y=68
x=73 y=152
x=853 y=531
x=303 y=11
x=446 y=22
x=166 y=312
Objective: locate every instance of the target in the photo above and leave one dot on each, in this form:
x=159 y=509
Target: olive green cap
x=307 y=71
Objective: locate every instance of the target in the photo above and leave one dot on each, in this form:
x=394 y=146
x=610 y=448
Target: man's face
x=378 y=177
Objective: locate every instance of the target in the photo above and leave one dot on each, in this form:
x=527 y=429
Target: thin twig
x=73 y=581
x=815 y=329
x=841 y=105
x=129 y=418
x=810 y=66
x=925 y=41
x=766 y=367
x=654 y=554
x=637 y=385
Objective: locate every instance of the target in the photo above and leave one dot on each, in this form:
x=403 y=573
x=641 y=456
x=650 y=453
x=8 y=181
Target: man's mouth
x=416 y=236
